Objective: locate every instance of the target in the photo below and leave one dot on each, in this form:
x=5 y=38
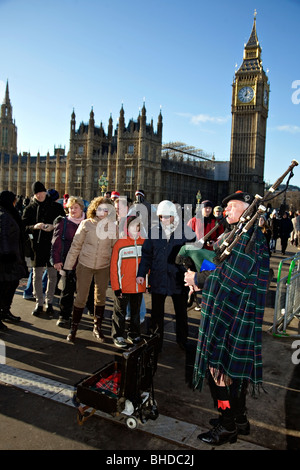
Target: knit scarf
x=76 y=221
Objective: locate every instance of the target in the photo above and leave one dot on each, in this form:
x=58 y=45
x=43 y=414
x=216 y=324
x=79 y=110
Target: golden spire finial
x=255 y=13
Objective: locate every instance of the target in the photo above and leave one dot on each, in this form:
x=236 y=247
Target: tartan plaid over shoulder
x=233 y=302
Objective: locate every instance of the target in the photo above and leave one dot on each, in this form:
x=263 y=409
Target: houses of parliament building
x=132 y=156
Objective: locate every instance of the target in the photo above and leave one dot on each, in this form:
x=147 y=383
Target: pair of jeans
x=284 y=243
x=28 y=292
x=119 y=314
x=38 y=284
x=143 y=310
x=158 y=313
x=273 y=244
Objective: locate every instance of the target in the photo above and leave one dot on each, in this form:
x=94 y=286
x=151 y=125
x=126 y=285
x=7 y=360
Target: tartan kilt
x=233 y=302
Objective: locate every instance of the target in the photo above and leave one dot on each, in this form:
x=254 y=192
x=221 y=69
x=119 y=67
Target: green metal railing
x=287 y=299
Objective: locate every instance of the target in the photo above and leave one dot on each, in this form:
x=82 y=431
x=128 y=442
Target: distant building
x=128 y=158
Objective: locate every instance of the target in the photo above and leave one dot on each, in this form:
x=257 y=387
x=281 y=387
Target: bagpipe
x=196 y=258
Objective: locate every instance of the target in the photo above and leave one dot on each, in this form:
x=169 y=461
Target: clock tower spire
x=250 y=101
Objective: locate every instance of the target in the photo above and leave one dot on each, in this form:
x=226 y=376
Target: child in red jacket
x=124 y=264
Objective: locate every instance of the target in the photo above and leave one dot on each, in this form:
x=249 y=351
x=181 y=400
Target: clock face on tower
x=246 y=94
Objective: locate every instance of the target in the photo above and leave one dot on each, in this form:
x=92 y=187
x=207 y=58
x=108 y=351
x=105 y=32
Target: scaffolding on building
x=186 y=152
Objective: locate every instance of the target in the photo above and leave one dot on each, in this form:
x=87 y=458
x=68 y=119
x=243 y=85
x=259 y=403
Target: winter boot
x=238 y=405
x=225 y=429
x=76 y=317
x=2 y=326
x=7 y=315
x=98 y=318
x=37 y=311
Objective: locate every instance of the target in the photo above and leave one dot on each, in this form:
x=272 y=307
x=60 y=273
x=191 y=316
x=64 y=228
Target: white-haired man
x=229 y=345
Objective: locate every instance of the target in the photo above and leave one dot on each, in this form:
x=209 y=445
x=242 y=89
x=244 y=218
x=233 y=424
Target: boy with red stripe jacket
x=124 y=265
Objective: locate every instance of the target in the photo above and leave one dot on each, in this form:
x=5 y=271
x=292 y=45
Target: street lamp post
x=103 y=183
x=198 y=196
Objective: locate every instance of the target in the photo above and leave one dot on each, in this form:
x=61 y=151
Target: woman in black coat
x=166 y=278
x=12 y=260
x=285 y=230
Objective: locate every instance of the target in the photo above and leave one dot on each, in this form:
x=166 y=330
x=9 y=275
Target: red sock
x=223 y=404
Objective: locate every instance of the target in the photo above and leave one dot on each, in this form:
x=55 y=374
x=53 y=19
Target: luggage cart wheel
x=131 y=422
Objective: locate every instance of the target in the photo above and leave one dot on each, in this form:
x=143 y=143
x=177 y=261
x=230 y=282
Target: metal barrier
x=287 y=300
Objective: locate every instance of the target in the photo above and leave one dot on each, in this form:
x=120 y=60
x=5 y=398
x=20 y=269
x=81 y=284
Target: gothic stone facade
x=125 y=159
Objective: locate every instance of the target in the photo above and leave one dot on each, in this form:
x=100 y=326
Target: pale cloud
x=289 y=128
x=202 y=118
x=197 y=119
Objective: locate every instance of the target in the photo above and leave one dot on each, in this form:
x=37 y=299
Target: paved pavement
x=41 y=367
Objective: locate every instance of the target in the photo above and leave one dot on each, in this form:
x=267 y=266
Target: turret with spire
x=8 y=129
x=6 y=108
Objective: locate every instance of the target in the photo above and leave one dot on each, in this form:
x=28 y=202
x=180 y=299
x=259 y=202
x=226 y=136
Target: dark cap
x=7 y=198
x=53 y=194
x=38 y=187
x=239 y=196
x=207 y=203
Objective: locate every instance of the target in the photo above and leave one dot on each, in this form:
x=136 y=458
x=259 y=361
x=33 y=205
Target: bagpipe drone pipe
x=196 y=258
x=251 y=215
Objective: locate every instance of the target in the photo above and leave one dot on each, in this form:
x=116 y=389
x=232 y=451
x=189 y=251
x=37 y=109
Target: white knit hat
x=166 y=208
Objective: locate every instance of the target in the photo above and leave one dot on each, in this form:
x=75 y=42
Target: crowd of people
x=281 y=225
x=64 y=248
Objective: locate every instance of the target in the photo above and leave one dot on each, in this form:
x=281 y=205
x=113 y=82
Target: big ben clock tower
x=250 y=102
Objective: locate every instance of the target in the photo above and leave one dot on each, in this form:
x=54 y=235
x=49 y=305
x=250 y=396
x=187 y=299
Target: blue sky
x=178 y=56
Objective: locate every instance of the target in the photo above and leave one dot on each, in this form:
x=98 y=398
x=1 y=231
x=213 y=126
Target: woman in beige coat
x=90 y=254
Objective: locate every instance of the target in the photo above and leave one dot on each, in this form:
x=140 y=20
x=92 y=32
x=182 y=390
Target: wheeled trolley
x=123 y=387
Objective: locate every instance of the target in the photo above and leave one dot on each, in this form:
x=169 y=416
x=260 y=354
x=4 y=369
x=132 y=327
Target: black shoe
x=37 y=311
x=120 y=342
x=63 y=322
x=2 y=326
x=10 y=317
x=49 y=310
x=242 y=428
x=218 y=436
x=135 y=340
